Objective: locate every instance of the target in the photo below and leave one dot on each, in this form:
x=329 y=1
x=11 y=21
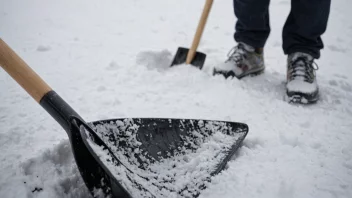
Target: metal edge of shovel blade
x=93 y=171
x=108 y=183
x=181 y=56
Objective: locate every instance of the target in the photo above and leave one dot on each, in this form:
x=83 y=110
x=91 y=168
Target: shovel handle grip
x=199 y=32
x=22 y=73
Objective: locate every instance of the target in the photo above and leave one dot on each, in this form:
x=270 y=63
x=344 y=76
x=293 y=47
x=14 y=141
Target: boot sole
x=228 y=74
x=301 y=98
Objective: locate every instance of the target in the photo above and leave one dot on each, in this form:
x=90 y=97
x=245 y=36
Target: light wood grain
x=199 y=32
x=22 y=73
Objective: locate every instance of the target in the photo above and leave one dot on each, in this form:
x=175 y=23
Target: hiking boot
x=301 y=84
x=243 y=60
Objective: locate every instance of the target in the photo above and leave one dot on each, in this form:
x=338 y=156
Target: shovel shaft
x=22 y=73
x=199 y=32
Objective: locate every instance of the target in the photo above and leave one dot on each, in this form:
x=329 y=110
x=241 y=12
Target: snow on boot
x=243 y=60
x=301 y=84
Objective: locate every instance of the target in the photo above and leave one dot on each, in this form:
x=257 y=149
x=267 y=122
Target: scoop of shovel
x=135 y=157
x=191 y=56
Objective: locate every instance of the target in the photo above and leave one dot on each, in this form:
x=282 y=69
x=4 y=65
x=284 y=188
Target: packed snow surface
x=110 y=59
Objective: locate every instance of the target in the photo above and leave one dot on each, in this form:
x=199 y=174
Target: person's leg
x=305 y=24
x=302 y=43
x=252 y=26
x=252 y=31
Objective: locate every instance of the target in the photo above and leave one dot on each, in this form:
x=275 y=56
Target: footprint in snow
x=345 y=86
x=159 y=60
x=341 y=76
x=336 y=48
x=43 y=48
x=333 y=83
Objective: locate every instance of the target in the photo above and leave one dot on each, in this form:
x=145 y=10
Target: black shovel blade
x=181 y=56
x=146 y=157
x=161 y=157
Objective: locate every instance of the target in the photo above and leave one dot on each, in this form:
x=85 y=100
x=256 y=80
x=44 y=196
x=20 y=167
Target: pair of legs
x=306 y=22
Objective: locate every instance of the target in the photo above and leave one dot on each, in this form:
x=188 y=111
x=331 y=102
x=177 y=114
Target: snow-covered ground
x=110 y=59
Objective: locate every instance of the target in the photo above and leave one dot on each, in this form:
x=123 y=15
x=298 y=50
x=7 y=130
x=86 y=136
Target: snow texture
x=109 y=59
x=298 y=84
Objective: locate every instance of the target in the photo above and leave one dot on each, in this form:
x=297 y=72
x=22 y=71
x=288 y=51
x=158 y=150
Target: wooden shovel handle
x=199 y=32
x=22 y=73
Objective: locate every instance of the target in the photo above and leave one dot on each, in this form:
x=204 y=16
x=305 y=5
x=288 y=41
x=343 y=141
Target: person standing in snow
x=302 y=43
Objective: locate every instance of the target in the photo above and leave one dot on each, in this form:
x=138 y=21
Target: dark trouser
x=302 y=31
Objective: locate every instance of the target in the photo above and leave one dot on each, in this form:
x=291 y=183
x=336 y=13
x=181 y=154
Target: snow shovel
x=135 y=157
x=191 y=56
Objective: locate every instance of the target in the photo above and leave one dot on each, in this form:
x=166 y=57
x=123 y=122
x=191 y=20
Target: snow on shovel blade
x=164 y=157
x=181 y=57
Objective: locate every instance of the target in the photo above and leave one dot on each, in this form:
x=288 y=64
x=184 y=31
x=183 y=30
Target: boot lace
x=237 y=54
x=301 y=67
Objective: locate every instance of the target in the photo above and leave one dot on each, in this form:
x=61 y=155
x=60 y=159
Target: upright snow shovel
x=191 y=56
x=135 y=157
